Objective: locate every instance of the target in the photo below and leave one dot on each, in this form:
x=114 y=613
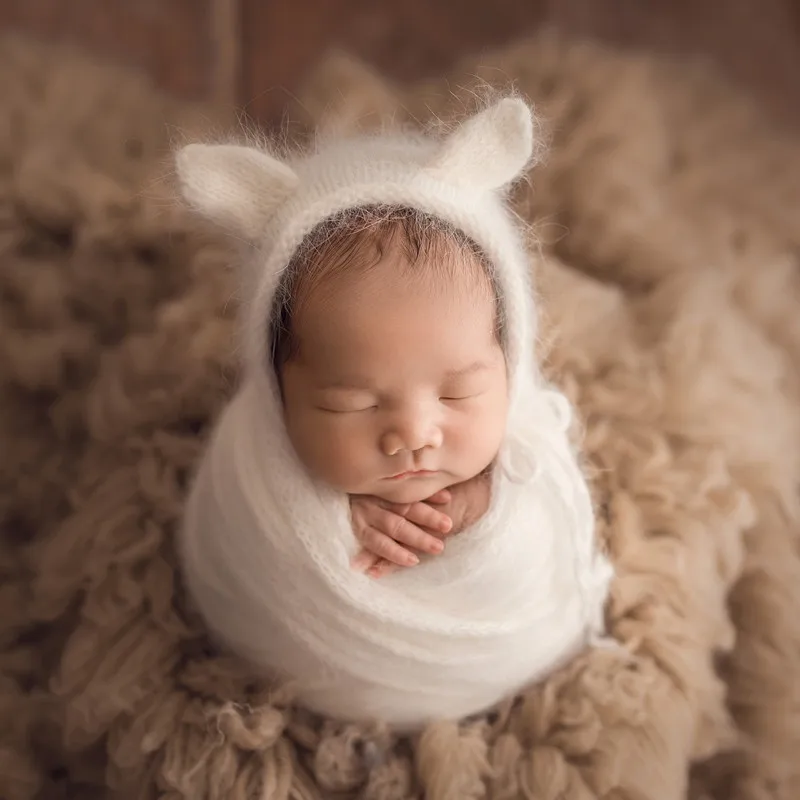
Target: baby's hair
x=355 y=240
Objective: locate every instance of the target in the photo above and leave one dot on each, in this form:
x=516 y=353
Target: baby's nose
x=411 y=434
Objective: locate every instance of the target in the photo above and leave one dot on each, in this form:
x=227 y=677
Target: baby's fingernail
x=411 y=560
x=446 y=524
x=437 y=546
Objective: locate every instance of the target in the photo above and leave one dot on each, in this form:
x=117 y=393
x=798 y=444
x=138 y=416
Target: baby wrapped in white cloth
x=388 y=360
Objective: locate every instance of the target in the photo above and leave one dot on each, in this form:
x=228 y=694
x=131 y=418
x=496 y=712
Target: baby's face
x=399 y=388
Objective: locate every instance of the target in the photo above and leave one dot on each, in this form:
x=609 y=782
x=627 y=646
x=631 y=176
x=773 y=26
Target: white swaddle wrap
x=266 y=550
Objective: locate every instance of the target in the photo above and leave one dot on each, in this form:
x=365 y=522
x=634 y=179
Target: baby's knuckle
x=395 y=525
x=384 y=547
x=373 y=539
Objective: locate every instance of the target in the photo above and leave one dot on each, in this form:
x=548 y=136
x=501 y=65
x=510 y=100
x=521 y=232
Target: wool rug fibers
x=668 y=216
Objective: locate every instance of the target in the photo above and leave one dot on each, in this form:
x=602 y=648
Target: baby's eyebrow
x=470 y=369
x=357 y=383
x=353 y=384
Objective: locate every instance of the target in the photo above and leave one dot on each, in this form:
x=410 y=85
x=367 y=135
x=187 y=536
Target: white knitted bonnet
x=462 y=178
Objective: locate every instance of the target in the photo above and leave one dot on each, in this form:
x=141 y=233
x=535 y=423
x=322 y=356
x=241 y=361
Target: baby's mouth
x=412 y=473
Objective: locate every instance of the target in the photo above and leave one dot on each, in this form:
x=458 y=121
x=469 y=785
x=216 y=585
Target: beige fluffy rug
x=669 y=215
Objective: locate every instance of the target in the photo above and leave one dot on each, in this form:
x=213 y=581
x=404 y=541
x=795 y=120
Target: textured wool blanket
x=669 y=214
x=267 y=551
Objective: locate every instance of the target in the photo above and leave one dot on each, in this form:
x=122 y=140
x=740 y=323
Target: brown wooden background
x=250 y=53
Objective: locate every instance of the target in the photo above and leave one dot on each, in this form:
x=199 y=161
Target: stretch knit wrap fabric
x=266 y=550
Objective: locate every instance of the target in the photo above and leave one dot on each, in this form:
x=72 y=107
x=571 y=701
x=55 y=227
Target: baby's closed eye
x=455 y=397
x=344 y=401
x=465 y=390
x=340 y=408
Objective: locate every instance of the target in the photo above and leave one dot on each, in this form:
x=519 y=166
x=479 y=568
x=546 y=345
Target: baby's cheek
x=311 y=439
x=341 y=453
x=479 y=438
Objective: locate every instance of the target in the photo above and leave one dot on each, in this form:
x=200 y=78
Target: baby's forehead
x=407 y=244
x=351 y=270
x=390 y=278
x=392 y=309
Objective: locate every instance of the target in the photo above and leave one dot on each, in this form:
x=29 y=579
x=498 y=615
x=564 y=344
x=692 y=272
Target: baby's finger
x=380 y=544
x=381 y=569
x=440 y=498
x=401 y=530
x=364 y=561
x=427 y=517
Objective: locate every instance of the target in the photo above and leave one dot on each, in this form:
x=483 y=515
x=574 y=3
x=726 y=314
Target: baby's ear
x=490 y=149
x=234 y=186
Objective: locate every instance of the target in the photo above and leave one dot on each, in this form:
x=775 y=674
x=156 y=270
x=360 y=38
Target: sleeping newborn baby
x=388 y=348
x=389 y=398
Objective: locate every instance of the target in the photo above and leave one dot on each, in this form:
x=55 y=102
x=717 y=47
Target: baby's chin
x=411 y=490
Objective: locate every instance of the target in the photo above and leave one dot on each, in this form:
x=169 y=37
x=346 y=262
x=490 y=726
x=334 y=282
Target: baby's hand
x=383 y=528
x=463 y=503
